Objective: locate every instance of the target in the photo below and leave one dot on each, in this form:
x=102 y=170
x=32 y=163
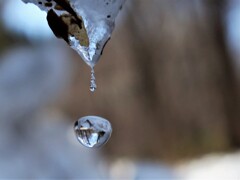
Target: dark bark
x=230 y=88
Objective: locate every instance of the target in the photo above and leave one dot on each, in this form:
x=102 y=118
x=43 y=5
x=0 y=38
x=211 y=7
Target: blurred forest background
x=168 y=80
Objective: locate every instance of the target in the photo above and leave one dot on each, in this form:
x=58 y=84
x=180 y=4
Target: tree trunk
x=186 y=85
x=230 y=83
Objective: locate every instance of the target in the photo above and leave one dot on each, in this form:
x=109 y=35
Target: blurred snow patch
x=39 y=147
x=37 y=142
x=140 y=170
x=30 y=78
x=212 y=167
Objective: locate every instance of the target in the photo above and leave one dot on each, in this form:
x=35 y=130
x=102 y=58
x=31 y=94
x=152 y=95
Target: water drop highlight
x=93 y=85
x=92 y=131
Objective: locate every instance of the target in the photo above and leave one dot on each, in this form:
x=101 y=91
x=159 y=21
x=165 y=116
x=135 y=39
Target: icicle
x=86 y=25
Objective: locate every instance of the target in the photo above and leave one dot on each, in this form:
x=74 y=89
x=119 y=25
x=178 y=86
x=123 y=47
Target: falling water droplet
x=92 y=131
x=93 y=85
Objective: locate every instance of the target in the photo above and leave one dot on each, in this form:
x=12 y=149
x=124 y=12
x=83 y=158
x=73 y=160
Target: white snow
x=212 y=167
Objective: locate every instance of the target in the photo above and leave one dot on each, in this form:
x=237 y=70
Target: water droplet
x=92 y=131
x=93 y=85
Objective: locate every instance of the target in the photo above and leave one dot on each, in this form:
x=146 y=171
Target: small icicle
x=93 y=85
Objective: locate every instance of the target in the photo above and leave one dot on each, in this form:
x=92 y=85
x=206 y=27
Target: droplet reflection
x=92 y=131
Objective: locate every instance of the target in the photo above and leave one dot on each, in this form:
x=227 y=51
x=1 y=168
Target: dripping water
x=93 y=85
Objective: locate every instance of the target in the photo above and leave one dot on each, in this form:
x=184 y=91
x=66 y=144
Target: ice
x=86 y=25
